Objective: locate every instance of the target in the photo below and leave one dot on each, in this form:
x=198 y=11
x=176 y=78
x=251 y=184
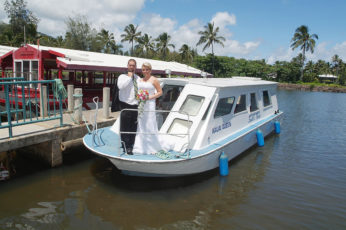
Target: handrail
x=158 y=133
x=24 y=99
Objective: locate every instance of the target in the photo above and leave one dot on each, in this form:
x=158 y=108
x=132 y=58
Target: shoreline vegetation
x=312 y=87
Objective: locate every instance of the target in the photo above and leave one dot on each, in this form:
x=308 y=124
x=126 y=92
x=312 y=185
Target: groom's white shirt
x=126 y=89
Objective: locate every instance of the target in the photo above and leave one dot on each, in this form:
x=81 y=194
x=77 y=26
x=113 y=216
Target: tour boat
x=206 y=117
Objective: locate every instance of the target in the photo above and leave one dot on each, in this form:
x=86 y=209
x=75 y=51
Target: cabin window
x=266 y=98
x=170 y=94
x=192 y=105
x=224 y=106
x=241 y=104
x=179 y=126
x=253 y=102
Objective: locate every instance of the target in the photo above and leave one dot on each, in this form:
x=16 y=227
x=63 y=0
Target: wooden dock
x=44 y=139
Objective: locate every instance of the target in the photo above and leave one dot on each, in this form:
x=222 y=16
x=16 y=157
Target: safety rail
x=28 y=102
x=187 y=145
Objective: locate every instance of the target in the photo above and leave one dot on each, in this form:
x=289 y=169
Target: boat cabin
x=210 y=109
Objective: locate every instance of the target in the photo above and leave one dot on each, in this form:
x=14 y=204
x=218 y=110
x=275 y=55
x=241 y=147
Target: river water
x=296 y=181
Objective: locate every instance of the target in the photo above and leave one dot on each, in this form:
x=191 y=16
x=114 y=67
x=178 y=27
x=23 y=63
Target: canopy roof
x=84 y=60
x=6 y=49
x=327 y=76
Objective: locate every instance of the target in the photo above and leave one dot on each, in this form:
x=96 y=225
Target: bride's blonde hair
x=147 y=64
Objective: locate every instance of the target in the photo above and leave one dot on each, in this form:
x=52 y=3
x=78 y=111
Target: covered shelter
x=328 y=78
x=90 y=71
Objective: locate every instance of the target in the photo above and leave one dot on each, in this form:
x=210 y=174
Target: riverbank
x=311 y=87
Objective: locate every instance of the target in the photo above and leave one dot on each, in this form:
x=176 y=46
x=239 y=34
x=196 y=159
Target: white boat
x=207 y=117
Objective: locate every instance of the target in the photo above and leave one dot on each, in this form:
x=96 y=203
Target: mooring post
x=43 y=101
x=78 y=105
x=105 y=102
x=70 y=100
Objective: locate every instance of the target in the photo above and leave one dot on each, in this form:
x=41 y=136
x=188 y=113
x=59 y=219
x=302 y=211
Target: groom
x=127 y=84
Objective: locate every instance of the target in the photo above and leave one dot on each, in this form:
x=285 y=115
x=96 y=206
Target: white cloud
x=281 y=54
x=323 y=51
x=154 y=24
x=223 y=19
x=109 y=14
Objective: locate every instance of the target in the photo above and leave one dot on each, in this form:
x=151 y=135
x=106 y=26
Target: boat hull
x=198 y=163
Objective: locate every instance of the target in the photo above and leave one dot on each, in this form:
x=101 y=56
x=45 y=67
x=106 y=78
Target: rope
x=166 y=155
x=60 y=90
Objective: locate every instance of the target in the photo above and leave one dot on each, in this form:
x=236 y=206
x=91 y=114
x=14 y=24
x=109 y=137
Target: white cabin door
x=187 y=114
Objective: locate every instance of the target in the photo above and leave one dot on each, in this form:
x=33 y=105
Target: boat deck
x=108 y=144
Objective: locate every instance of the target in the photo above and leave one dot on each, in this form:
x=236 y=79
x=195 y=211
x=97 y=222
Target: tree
x=80 y=35
x=116 y=49
x=20 y=19
x=163 y=44
x=131 y=35
x=337 y=62
x=305 y=41
x=106 y=39
x=186 y=53
x=209 y=37
x=145 y=45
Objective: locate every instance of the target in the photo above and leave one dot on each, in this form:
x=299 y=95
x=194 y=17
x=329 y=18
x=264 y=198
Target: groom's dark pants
x=128 y=123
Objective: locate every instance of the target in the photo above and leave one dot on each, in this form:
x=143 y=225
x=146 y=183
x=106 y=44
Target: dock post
x=43 y=101
x=70 y=101
x=78 y=105
x=105 y=102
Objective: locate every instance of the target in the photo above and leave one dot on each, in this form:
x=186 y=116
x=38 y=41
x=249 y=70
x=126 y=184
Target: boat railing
x=28 y=102
x=184 y=148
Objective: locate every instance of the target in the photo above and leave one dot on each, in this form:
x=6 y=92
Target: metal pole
x=105 y=102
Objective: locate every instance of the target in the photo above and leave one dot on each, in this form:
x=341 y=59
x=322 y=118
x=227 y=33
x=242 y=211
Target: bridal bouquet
x=142 y=97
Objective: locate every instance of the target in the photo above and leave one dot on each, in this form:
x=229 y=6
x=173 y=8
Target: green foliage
x=82 y=36
x=22 y=26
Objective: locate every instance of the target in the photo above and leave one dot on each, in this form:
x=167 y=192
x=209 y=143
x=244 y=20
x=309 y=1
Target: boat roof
x=234 y=81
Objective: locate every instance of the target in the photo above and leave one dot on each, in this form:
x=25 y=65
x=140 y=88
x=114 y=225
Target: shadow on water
x=105 y=172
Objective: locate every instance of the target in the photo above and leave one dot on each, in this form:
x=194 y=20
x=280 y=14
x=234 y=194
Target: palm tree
x=115 y=48
x=186 y=53
x=145 y=45
x=305 y=41
x=337 y=62
x=131 y=35
x=209 y=37
x=106 y=39
x=163 y=44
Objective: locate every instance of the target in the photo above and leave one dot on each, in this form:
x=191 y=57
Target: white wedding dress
x=149 y=143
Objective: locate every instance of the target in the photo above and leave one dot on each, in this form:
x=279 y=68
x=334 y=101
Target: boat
x=204 y=117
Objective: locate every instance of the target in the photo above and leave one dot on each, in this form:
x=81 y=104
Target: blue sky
x=253 y=29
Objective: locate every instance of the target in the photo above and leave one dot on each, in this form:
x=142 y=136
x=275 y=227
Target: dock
x=47 y=139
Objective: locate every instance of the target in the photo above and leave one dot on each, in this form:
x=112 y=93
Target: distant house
x=328 y=78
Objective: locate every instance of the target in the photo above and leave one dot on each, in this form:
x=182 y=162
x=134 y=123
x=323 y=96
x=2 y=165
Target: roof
x=76 y=59
x=327 y=76
x=6 y=49
x=222 y=82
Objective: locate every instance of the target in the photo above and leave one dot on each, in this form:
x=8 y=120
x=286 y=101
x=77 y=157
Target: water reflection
x=95 y=195
x=296 y=181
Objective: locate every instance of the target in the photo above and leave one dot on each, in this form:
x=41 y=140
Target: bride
x=151 y=142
